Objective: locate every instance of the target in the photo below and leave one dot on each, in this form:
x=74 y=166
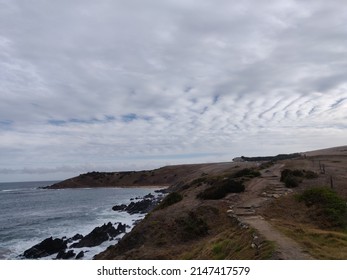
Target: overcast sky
x=136 y=84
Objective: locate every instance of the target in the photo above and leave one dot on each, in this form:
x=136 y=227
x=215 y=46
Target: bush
x=247 y=172
x=221 y=188
x=310 y=174
x=291 y=181
x=292 y=178
x=329 y=205
x=170 y=199
x=192 y=226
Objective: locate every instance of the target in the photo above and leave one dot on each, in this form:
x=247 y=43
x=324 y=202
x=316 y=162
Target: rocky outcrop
x=143 y=206
x=99 y=235
x=62 y=255
x=46 y=248
x=59 y=246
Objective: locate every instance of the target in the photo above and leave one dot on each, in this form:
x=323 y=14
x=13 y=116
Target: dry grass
x=294 y=220
x=321 y=244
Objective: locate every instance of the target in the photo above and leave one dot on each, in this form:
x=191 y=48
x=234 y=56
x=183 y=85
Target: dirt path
x=259 y=191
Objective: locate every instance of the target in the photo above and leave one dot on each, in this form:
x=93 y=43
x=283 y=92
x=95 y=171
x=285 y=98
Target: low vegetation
x=170 y=199
x=192 y=226
x=247 y=172
x=220 y=188
x=326 y=204
x=292 y=178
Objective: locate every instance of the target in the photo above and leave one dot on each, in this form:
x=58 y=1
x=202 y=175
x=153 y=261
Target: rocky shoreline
x=67 y=248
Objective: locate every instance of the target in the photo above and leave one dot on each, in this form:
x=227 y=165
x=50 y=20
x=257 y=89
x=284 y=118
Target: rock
x=149 y=196
x=80 y=255
x=142 y=206
x=77 y=237
x=121 y=228
x=99 y=235
x=62 y=255
x=121 y=207
x=47 y=247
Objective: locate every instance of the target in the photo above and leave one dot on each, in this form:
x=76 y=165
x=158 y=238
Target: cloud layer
x=137 y=84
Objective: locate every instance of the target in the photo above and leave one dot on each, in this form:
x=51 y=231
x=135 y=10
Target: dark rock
x=98 y=235
x=148 y=196
x=121 y=207
x=121 y=228
x=142 y=206
x=80 y=255
x=77 y=237
x=47 y=247
x=161 y=191
x=62 y=255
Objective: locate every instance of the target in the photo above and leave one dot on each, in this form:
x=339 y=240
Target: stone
x=62 y=255
x=47 y=247
x=80 y=255
x=99 y=235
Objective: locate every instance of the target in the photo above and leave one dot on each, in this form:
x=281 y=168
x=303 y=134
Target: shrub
x=247 y=172
x=192 y=226
x=329 y=205
x=292 y=178
x=310 y=174
x=170 y=199
x=221 y=188
x=291 y=181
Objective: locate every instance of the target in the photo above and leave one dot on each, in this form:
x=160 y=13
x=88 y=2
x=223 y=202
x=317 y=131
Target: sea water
x=28 y=214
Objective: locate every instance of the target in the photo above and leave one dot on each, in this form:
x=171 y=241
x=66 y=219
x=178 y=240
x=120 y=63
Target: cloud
x=112 y=83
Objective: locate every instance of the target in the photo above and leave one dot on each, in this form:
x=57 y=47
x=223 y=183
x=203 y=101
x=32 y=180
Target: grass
x=247 y=172
x=221 y=188
x=321 y=244
x=170 y=199
x=292 y=178
x=233 y=243
x=326 y=204
x=192 y=226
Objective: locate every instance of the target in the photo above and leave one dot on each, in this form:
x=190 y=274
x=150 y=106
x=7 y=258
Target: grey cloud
x=112 y=81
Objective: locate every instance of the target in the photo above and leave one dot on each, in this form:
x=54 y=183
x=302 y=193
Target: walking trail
x=260 y=190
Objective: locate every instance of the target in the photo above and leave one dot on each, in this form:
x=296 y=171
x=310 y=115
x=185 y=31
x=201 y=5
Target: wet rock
x=99 y=235
x=77 y=237
x=121 y=227
x=47 y=247
x=121 y=207
x=149 y=196
x=62 y=255
x=80 y=255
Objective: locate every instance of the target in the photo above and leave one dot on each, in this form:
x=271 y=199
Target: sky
x=116 y=85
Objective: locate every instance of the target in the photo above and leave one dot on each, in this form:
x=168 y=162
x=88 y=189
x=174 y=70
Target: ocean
x=28 y=214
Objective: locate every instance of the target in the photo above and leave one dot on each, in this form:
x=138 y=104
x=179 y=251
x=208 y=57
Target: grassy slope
x=190 y=229
x=302 y=223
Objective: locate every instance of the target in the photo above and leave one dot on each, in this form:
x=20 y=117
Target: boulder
x=77 y=237
x=141 y=207
x=121 y=207
x=62 y=255
x=149 y=196
x=47 y=247
x=80 y=255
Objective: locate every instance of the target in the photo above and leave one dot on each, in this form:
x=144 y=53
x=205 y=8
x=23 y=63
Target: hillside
x=244 y=211
x=165 y=176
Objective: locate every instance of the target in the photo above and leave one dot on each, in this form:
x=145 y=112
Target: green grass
x=221 y=188
x=170 y=199
x=327 y=204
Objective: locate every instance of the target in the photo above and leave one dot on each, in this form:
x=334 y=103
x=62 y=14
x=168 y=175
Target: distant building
x=238 y=159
